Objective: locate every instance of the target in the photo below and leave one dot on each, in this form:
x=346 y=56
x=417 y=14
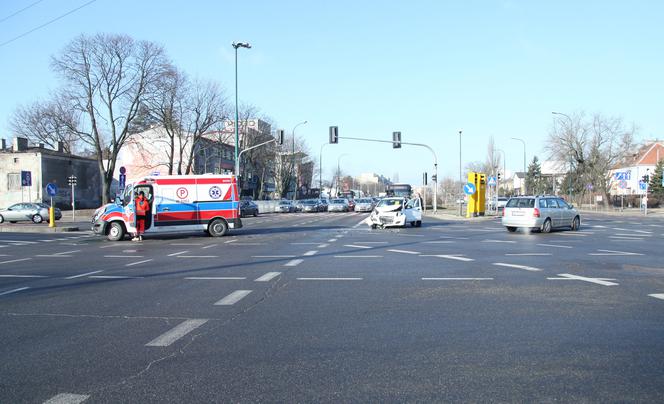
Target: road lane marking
x=525 y=267
x=528 y=254
x=613 y=252
x=215 y=278
x=457 y=257
x=633 y=235
x=233 y=298
x=67 y=398
x=404 y=252
x=14 y=291
x=303 y=243
x=371 y=242
x=52 y=256
x=198 y=256
x=457 y=279
x=439 y=242
x=115 y=277
x=185 y=244
x=293 y=263
x=356 y=246
x=323 y=245
x=599 y=281
x=18 y=241
x=16 y=260
x=138 y=262
x=358 y=256
x=330 y=279
x=310 y=253
x=659 y=296
x=82 y=275
x=67 y=252
x=23 y=276
x=176 y=333
x=267 y=277
x=249 y=244
x=272 y=256
x=177 y=253
x=123 y=256
x=332 y=240
x=499 y=241
x=624 y=238
x=209 y=246
x=555 y=246
x=230 y=241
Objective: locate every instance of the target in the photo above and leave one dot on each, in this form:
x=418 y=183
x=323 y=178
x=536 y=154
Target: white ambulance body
x=178 y=203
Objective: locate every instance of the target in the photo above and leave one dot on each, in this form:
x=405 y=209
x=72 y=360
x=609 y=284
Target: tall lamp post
x=237 y=45
x=460 y=179
x=569 y=174
x=524 y=163
x=293 y=159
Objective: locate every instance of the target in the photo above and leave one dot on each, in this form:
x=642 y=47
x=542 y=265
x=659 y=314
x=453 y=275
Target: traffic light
x=424 y=179
x=499 y=176
x=280 y=136
x=434 y=178
x=646 y=178
x=334 y=134
x=72 y=180
x=396 y=140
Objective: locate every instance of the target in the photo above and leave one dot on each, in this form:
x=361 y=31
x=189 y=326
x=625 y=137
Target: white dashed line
x=310 y=253
x=176 y=333
x=357 y=246
x=23 y=276
x=123 y=256
x=138 y=262
x=185 y=244
x=233 y=298
x=67 y=398
x=457 y=279
x=330 y=279
x=332 y=240
x=524 y=267
x=554 y=246
x=115 y=277
x=82 y=275
x=358 y=256
x=209 y=246
x=177 y=253
x=198 y=256
x=613 y=252
x=13 y=291
x=499 y=241
x=450 y=257
x=267 y=277
x=215 y=278
x=659 y=296
x=293 y=263
x=404 y=252
x=303 y=243
x=230 y=241
x=272 y=256
x=16 y=260
x=528 y=254
x=323 y=245
x=439 y=242
x=599 y=281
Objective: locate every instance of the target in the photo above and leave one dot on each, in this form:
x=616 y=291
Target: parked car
x=284 y=207
x=248 y=208
x=542 y=212
x=338 y=205
x=310 y=206
x=498 y=203
x=364 y=205
x=35 y=212
x=396 y=211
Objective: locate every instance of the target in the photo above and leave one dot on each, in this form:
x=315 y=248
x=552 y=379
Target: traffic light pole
x=435 y=163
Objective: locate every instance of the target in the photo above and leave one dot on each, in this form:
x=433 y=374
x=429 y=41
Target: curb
x=27 y=229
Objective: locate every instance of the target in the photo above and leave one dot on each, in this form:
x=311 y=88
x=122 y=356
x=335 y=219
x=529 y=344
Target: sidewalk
x=65 y=224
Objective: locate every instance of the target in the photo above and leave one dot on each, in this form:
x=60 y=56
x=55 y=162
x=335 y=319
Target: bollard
x=51 y=217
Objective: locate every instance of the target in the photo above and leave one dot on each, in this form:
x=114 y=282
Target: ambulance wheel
x=218 y=228
x=116 y=231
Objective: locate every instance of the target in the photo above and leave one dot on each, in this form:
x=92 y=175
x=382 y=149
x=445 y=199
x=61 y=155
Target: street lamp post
x=460 y=179
x=524 y=163
x=293 y=160
x=237 y=45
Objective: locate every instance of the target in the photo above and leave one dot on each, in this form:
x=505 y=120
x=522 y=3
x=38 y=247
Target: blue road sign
x=51 y=189
x=122 y=179
x=26 y=179
x=492 y=181
x=642 y=185
x=469 y=188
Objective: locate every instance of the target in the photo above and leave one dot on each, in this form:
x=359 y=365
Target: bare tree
x=106 y=79
x=45 y=122
x=591 y=146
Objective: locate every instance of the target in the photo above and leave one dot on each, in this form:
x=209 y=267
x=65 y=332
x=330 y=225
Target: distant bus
x=404 y=190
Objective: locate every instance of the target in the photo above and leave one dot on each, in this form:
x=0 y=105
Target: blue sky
x=425 y=68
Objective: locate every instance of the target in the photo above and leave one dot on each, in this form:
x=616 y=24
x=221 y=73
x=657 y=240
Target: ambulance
x=178 y=204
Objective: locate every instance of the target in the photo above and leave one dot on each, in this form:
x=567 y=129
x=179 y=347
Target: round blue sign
x=469 y=188
x=51 y=189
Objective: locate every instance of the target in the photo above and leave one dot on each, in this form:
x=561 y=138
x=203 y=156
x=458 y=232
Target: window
x=14 y=182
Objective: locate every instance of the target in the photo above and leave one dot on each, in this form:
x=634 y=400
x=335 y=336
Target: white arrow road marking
x=599 y=281
x=176 y=333
x=233 y=298
x=525 y=267
x=451 y=257
x=613 y=252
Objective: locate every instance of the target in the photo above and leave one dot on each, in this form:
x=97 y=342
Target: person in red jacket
x=142 y=209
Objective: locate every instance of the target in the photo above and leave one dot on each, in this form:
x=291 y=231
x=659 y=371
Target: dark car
x=248 y=208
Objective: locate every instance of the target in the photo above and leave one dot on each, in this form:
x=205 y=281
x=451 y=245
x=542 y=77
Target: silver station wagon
x=541 y=212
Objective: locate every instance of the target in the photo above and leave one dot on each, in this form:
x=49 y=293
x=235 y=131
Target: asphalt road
x=319 y=308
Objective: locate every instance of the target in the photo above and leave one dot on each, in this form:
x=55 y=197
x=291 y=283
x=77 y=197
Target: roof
x=647 y=155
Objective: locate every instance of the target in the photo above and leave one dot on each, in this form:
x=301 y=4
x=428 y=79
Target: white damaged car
x=396 y=212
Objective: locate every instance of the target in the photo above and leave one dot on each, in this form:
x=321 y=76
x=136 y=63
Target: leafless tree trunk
x=106 y=79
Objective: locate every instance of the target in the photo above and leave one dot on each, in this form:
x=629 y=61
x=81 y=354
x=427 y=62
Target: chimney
x=20 y=144
x=3 y=144
x=61 y=146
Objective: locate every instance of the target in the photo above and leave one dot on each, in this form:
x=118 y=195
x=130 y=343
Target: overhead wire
x=46 y=23
x=21 y=10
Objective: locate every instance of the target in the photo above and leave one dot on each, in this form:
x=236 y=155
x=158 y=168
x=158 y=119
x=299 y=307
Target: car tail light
x=536 y=212
x=503 y=213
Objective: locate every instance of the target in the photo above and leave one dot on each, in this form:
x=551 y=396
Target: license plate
x=518 y=213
